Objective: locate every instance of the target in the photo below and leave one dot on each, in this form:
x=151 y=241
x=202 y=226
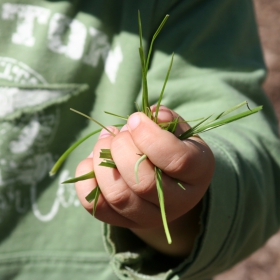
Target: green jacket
x=84 y=54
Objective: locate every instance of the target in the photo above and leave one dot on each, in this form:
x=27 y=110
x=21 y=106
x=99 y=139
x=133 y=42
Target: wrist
x=184 y=231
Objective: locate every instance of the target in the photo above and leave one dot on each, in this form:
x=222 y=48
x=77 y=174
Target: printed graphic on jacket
x=24 y=137
x=24 y=140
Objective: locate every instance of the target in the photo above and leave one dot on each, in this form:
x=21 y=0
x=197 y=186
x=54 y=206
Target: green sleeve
x=218 y=64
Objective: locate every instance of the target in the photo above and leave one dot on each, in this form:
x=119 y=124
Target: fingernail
x=165 y=115
x=133 y=121
x=124 y=128
x=105 y=133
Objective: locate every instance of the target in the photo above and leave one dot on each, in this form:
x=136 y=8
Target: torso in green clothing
x=54 y=55
x=84 y=54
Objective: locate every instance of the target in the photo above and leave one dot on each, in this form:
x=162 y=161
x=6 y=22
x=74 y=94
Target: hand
x=135 y=206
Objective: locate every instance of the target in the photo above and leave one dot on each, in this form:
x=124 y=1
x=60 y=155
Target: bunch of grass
x=203 y=125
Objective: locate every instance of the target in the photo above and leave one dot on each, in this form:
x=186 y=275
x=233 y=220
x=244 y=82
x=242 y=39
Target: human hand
x=125 y=203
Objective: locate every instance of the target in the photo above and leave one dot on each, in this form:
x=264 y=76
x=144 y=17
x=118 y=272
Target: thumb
x=184 y=160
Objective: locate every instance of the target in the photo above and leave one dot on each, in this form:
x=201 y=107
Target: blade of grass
x=88 y=117
x=169 y=125
x=90 y=197
x=140 y=33
x=145 y=63
x=136 y=167
x=63 y=157
x=105 y=154
x=228 y=111
x=172 y=127
x=145 y=94
x=190 y=132
x=145 y=103
x=97 y=194
x=94 y=195
x=108 y=160
x=163 y=88
x=153 y=39
x=69 y=151
x=108 y=163
x=86 y=176
x=236 y=117
x=161 y=203
x=218 y=123
x=181 y=186
x=115 y=115
x=233 y=109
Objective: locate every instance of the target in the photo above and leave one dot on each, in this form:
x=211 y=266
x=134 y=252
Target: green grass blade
x=219 y=123
x=190 y=132
x=94 y=195
x=117 y=116
x=140 y=35
x=195 y=120
x=108 y=163
x=208 y=126
x=153 y=39
x=228 y=111
x=161 y=203
x=136 y=167
x=63 y=157
x=90 y=197
x=97 y=194
x=145 y=103
x=181 y=186
x=69 y=151
x=172 y=126
x=105 y=154
x=232 y=109
x=108 y=160
x=97 y=122
x=145 y=94
x=86 y=176
x=163 y=88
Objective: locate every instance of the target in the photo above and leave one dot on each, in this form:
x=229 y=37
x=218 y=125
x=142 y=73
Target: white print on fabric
x=26 y=137
x=27 y=18
x=114 y=59
x=15 y=71
x=12 y=99
x=25 y=15
x=78 y=32
x=65 y=197
x=99 y=48
x=24 y=160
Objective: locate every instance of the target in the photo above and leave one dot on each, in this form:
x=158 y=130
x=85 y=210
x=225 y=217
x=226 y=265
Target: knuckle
x=118 y=199
x=145 y=186
x=144 y=142
x=177 y=163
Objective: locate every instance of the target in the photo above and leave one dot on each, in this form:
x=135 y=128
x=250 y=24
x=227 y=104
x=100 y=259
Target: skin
x=125 y=203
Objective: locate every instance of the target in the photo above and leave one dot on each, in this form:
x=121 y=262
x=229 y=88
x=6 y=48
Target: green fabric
x=84 y=54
